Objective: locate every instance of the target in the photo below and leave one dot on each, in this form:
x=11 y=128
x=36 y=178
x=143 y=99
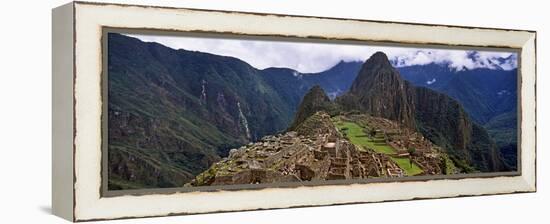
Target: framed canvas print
x=164 y=111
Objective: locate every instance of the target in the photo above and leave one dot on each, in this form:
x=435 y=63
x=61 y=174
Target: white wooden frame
x=77 y=108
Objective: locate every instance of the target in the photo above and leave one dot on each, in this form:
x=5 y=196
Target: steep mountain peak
x=317 y=92
x=379 y=90
x=315 y=100
x=374 y=71
x=378 y=59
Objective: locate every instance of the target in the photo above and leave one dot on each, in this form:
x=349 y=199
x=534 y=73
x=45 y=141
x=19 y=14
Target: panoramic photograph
x=194 y=111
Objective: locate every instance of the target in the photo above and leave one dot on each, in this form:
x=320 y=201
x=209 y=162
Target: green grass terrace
x=358 y=136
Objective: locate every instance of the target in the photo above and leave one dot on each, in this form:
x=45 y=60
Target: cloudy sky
x=316 y=57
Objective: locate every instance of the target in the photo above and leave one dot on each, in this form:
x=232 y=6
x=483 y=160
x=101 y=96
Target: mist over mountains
x=173 y=113
x=317 y=56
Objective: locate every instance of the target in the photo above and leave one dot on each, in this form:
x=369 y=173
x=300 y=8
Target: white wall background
x=25 y=112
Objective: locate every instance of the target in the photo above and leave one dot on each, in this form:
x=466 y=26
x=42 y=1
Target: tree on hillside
x=411 y=151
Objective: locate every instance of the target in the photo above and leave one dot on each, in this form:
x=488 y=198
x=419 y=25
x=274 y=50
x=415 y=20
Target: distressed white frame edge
x=89 y=20
x=62 y=111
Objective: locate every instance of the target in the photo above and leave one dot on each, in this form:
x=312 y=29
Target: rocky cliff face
x=488 y=96
x=446 y=123
x=380 y=91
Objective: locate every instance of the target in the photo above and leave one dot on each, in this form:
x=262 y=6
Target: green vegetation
x=404 y=163
x=462 y=164
x=153 y=166
x=116 y=183
x=503 y=128
x=356 y=134
x=448 y=164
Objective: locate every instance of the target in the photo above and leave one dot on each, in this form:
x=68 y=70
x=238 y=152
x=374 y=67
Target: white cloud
x=315 y=57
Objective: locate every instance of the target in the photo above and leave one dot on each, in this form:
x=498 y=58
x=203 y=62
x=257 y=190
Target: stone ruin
x=318 y=151
x=426 y=155
x=291 y=157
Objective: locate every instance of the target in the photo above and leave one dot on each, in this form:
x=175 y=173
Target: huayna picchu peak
x=379 y=90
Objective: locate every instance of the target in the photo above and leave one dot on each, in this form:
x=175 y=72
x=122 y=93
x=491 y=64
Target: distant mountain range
x=173 y=113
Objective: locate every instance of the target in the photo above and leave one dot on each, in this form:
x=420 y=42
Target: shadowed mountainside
x=490 y=99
